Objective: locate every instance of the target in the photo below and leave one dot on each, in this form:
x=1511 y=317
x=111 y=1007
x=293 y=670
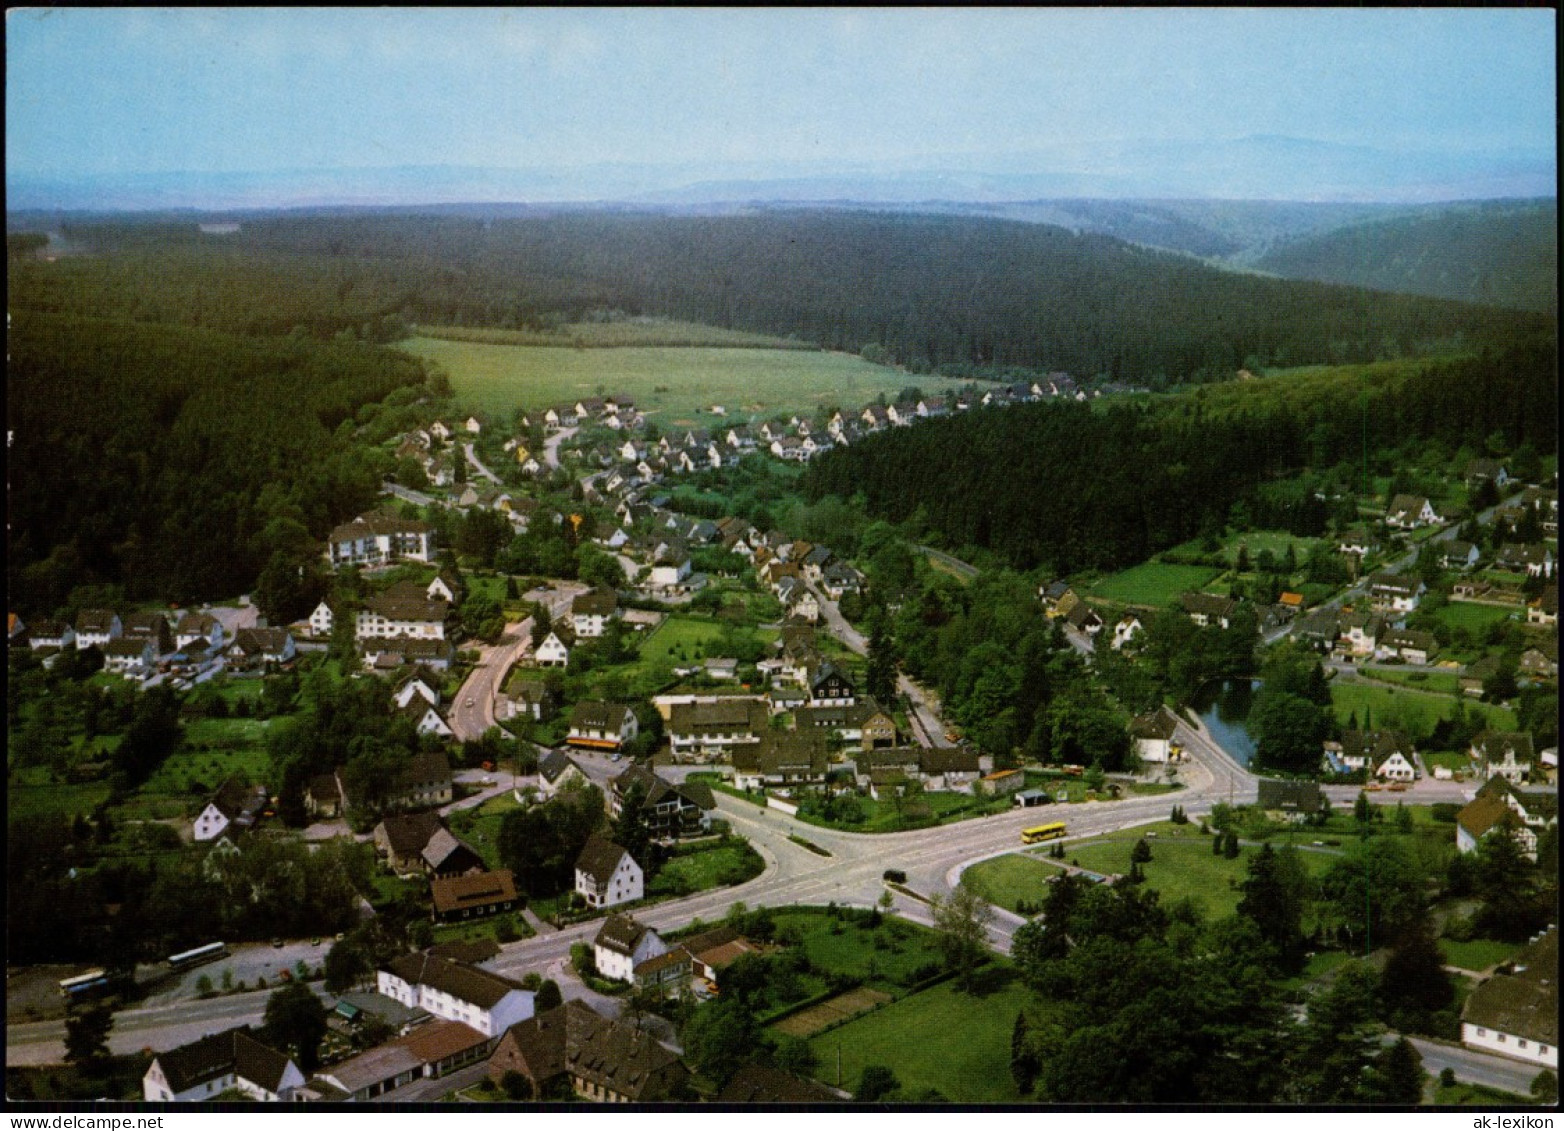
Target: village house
x=1394 y=593
x=1517 y=1014
x=554 y=650
x=129 y=656
x=951 y=768
x=757 y=1083
x=622 y=944
x=1480 y=471
x=1000 y=782
x=1153 y=736
x=862 y=724
x=1289 y=800
x=417 y=684
x=401 y=614
x=1409 y=512
x=455 y=991
x=152 y=627
x=703 y=730
x=607 y=875
x=1542 y=611
x=601 y=1060
x=323 y=797
x=556 y=770
x=1540 y=661
x=1127 y=628
x=230 y=1061
x=1411 y=645
x=420 y=844
x=595 y=725
x=473 y=895
x=1207 y=609
x=672 y=810
x=1510 y=754
x=257 y=646
x=1459 y=556
x=591 y=612
x=1360 y=630
x=378 y=539
x=1534 y=560
x=781 y=758
x=50 y=635
x=96 y=627
x=233 y=809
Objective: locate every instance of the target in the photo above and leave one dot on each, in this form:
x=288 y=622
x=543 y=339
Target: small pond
x=1223 y=706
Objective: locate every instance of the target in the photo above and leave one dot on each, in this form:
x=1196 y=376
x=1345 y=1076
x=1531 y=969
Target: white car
x=469 y=701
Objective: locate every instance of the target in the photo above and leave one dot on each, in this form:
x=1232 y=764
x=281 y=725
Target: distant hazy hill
x=1501 y=253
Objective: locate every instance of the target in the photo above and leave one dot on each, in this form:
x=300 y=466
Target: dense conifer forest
x=939 y=293
x=176 y=462
x=1072 y=486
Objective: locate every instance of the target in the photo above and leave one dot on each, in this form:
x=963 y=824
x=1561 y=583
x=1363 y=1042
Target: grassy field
x=1475 y=618
x=940 y=1038
x=1006 y=880
x=1152 y=583
x=678 y=385
x=480 y=827
x=1182 y=866
x=30 y=793
x=883 y=956
x=1408 y=709
x=884 y=817
x=718 y=866
x=1477 y=954
x=618 y=334
x=1445 y=683
x=1476 y=1095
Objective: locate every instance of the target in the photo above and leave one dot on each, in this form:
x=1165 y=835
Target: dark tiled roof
x=431 y=768
x=594 y=714
x=478 y=890
x=461 y=981
x=408 y=834
x=543 y=1041
x=94 y=620
x=233 y=1051
x=762 y=1084
x=599 y=603
x=620 y=933
x=599 y=858
x=1525 y=1003
x=621 y=1058
x=1302 y=796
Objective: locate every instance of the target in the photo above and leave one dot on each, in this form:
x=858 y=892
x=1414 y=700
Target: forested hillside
x=1503 y=254
x=936 y=292
x=175 y=462
x=1070 y=487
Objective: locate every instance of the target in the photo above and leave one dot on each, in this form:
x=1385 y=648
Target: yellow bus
x=1039 y=833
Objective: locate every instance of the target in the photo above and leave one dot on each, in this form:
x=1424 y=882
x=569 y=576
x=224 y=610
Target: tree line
x=1072 y=486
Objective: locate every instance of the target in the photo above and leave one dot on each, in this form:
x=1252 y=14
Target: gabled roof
x=621 y=934
x=232 y=1051
x=1483 y=815
x=94 y=620
x=1158 y=724
x=597 y=603
x=542 y=1040
x=428 y=768
x=234 y=799
x=621 y=1058
x=600 y=858
x=1525 y=1003
x=1302 y=796
x=261 y=641
x=594 y=714
x=442 y=846
x=408 y=834
x=477 y=890
x=461 y=981
x=1207 y=604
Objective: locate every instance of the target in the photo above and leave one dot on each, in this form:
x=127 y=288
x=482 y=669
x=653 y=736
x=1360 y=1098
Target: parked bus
x=84 y=986
x=184 y=960
x=1039 y=833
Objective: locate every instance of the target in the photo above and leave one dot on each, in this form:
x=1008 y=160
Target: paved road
x=477 y=465
x=473 y=713
x=965 y=570
x=1476 y=1067
x=407 y=494
x=551 y=445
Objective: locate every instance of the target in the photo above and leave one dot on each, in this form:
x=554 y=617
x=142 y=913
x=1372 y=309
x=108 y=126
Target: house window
x=1482 y=1032
x=1502 y=1038
x=1523 y=1042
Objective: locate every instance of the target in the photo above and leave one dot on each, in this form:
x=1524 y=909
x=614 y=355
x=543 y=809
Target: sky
x=118 y=92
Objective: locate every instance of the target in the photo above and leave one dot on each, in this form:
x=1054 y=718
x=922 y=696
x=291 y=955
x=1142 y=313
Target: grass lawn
x=42 y=798
x=1275 y=541
x=1445 y=683
x=677 y=385
x=1451 y=759
x=883 y=816
x=939 y=1038
x=480 y=827
x=888 y=956
x=475 y=930
x=1409 y=709
x=645 y=331
x=1182 y=867
x=1006 y=880
x=714 y=867
x=1475 y=618
x=1152 y=583
x=1477 y=954
x=681 y=640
